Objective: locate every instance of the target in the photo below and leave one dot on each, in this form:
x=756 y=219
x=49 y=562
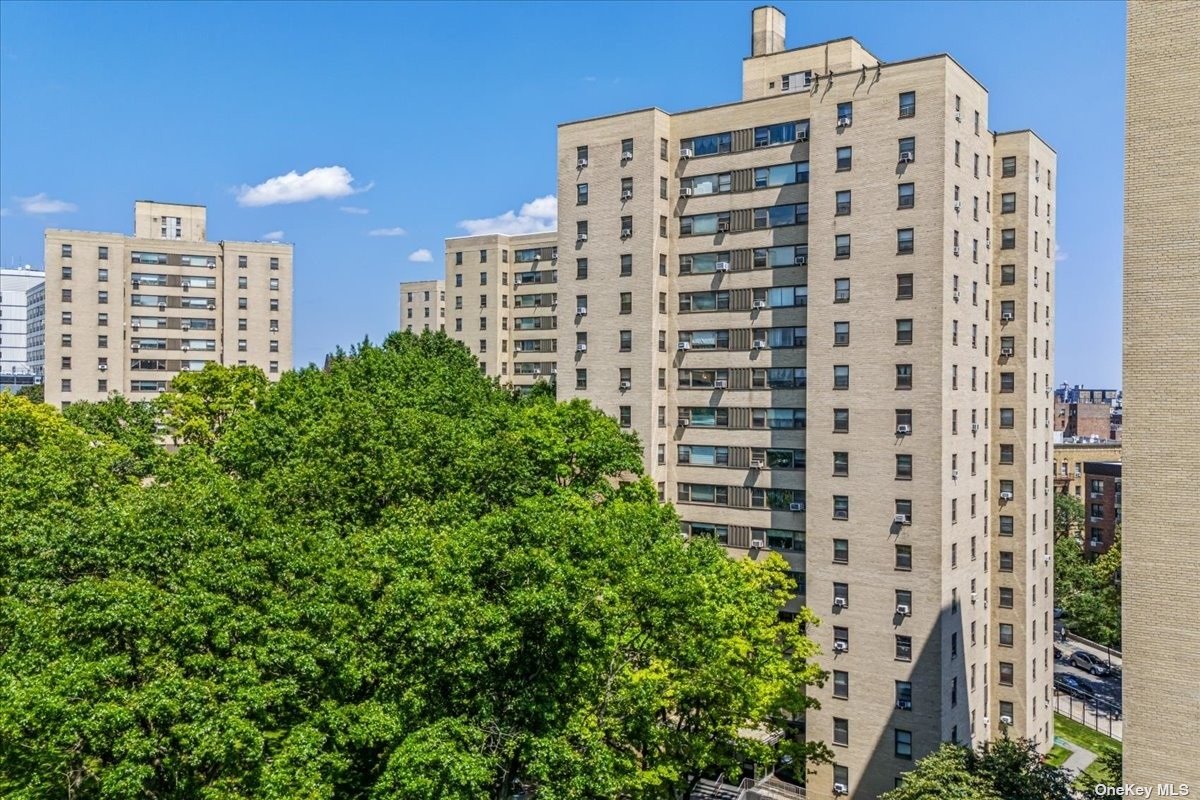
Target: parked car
x=1089 y=663
x=1058 y=653
x=1069 y=684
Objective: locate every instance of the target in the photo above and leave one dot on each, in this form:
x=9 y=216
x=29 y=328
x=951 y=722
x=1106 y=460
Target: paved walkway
x=1080 y=759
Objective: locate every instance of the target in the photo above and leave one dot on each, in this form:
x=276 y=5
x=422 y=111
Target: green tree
x=199 y=405
x=35 y=393
x=132 y=424
x=1005 y=769
x=1088 y=592
x=1068 y=516
x=389 y=578
x=945 y=774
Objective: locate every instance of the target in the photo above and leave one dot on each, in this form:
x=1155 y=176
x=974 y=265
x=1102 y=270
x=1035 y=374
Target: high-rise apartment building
x=423 y=306
x=1161 y=509
x=127 y=313
x=826 y=310
x=15 y=367
x=502 y=302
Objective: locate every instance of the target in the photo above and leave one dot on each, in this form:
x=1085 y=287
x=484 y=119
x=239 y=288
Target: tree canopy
x=386 y=579
x=1006 y=769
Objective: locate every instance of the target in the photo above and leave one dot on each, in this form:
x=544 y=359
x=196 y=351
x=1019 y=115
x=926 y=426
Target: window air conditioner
x=185 y=348
x=627 y=155
x=136 y=283
x=796 y=507
x=759 y=344
x=840 y=788
x=1006 y=496
x=581 y=237
x=625 y=386
x=759 y=304
x=722 y=227
x=1006 y=351
x=136 y=325
x=274 y=329
x=957 y=205
x=626 y=233
x=685 y=345
x=185 y=326
x=103 y=367
x=956 y=295
x=1046 y=558
x=843 y=122
x=135 y=348
x=581 y=311
x=1007 y=316
x=802 y=135
x=903 y=430
x=627 y=194
x=903 y=611
x=953 y=474
x=839 y=513
x=720 y=384
x=162 y=306
x=974 y=596
x=581 y=348
x=685 y=191
x=956 y=250
x=906 y=157
x=722 y=266
x=974 y=427
x=212 y=306
x=1006 y=720
x=756 y=464
x=757 y=544
x=685 y=152
x=840 y=647
x=801 y=260
x=187 y=287
x=904 y=705
x=581 y=163
x=900 y=519
x=840 y=602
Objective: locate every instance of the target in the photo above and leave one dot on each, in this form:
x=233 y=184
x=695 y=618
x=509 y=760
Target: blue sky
x=440 y=113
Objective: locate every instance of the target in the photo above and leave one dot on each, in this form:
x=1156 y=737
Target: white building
x=14 y=287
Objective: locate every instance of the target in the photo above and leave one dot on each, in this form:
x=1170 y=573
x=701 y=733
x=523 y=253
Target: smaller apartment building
x=423 y=306
x=1101 y=504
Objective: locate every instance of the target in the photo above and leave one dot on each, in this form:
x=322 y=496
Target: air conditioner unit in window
x=974 y=427
x=720 y=384
x=756 y=463
x=627 y=194
x=187 y=287
x=185 y=326
x=974 y=596
x=903 y=610
x=685 y=152
x=1046 y=558
x=212 y=306
x=906 y=157
x=904 y=705
x=722 y=266
x=1006 y=496
x=953 y=474
x=801 y=261
x=796 y=507
x=840 y=602
x=722 y=227
x=162 y=306
x=554 y=370
x=841 y=513
x=759 y=304
x=840 y=788
x=1035 y=283
x=136 y=325
x=135 y=348
x=684 y=422
x=840 y=647
x=581 y=311
x=136 y=283
x=625 y=386
x=1007 y=316
x=900 y=519
x=844 y=122
x=955 y=294
x=581 y=237
x=535 y=371
x=759 y=344
x=1006 y=720
x=212 y=266
x=581 y=348
x=581 y=163
x=1006 y=351
x=627 y=155
x=903 y=430
x=626 y=233
x=274 y=329
x=685 y=191
x=988 y=245
x=958 y=205
x=956 y=250
x=102 y=367
x=802 y=135
x=185 y=348
x=757 y=544
x=685 y=345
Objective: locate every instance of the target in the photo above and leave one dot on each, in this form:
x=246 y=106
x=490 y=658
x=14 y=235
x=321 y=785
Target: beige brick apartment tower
x=423 y=306
x=126 y=314
x=1161 y=512
x=826 y=311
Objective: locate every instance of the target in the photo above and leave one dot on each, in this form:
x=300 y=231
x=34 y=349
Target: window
x=1006 y=673
x=66 y=295
x=626 y=341
x=663 y=146
x=904 y=286
x=904 y=557
x=841 y=551
x=841 y=334
x=908 y=149
x=626 y=265
x=796 y=81
x=1006 y=634
x=841 y=463
x=841 y=376
x=626 y=302
x=243 y=282
x=1006 y=597
x=841 y=244
x=779 y=175
x=906 y=195
x=957 y=153
x=845 y=158
x=903 y=744
x=908 y=104
x=581 y=194
x=241 y=345
x=1006 y=454
x=581 y=269
x=1007 y=381
x=1008 y=274
x=662 y=188
x=102 y=298
x=841 y=731
x=841 y=420
x=841 y=636
x=1006 y=561
x=1006 y=525
x=904 y=241
x=904 y=648
x=842 y=203
x=841 y=290
x=626 y=149
x=626 y=416
x=1008 y=203
x=581 y=155
x=904 y=376
x=841 y=506
x=841 y=684
x=779 y=216
x=581 y=379
x=904 y=331
x=780 y=133
x=1008 y=167
x=903 y=466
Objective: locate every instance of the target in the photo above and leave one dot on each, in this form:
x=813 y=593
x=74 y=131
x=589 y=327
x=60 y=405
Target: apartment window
x=102 y=298
x=908 y=149
x=102 y=320
x=841 y=731
x=957 y=153
x=662 y=188
x=626 y=302
x=242 y=323
x=975 y=168
x=1006 y=596
x=274 y=263
x=903 y=557
x=626 y=265
x=483 y=323
x=841 y=420
x=1008 y=167
x=842 y=202
x=66 y=251
x=581 y=379
x=273 y=367
x=66 y=318
x=841 y=684
x=845 y=113
x=903 y=466
x=66 y=362
x=662 y=264
x=906 y=195
x=581 y=269
x=242 y=262
x=626 y=227
x=841 y=463
x=626 y=341
x=1006 y=673
x=841 y=551
x=841 y=290
x=908 y=104
x=1006 y=454
x=626 y=416
x=1006 y=634
x=1007 y=381
x=66 y=295
x=581 y=194
x=903 y=648
x=903 y=748
x=1008 y=239
x=904 y=331
x=845 y=158
x=904 y=286
x=243 y=282
x=841 y=376
x=904 y=376
x=841 y=244
x=1006 y=561
x=482 y=279
x=841 y=334
x=626 y=149
x=102 y=275
x=841 y=506
x=904 y=241
x=65 y=384
x=1008 y=203
x=841 y=636
x=67 y=272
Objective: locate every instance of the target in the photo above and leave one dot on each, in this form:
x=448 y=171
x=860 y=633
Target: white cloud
x=536 y=216
x=387 y=232
x=318 y=183
x=1061 y=255
x=354 y=210
x=273 y=236
x=41 y=204
x=421 y=255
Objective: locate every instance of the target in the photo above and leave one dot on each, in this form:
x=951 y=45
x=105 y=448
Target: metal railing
x=1099 y=715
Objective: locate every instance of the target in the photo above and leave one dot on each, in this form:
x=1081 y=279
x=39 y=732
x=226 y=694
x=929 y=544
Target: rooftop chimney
x=768 y=31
